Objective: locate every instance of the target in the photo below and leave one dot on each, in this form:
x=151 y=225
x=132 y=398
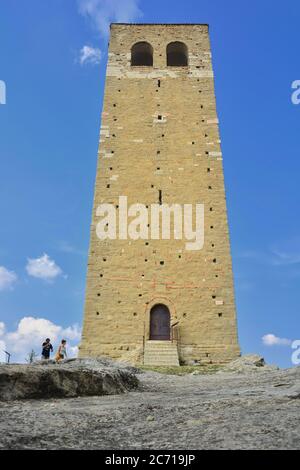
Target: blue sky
x=52 y=60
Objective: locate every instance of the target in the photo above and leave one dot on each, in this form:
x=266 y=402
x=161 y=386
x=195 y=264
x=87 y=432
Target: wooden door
x=160 y=323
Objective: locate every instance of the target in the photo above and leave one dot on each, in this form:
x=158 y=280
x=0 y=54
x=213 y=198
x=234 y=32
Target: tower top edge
x=159 y=24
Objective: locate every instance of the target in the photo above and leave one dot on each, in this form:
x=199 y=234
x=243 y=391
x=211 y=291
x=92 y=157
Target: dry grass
x=183 y=370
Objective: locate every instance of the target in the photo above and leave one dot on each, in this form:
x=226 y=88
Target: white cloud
x=66 y=247
x=272 y=340
x=282 y=258
x=103 y=12
x=2 y=349
x=72 y=332
x=7 y=278
x=30 y=334
x=89 y=55
x=73 y=351
x=286 y=253
x=2 y=328
x=43 y=268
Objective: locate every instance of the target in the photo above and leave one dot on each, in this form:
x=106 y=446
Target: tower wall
x=160 y=136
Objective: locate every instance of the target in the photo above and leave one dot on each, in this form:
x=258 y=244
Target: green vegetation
x=183 y=370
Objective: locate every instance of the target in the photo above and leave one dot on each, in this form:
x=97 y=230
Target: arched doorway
x=159 y=323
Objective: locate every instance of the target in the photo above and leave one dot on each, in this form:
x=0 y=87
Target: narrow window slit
x=160 y=196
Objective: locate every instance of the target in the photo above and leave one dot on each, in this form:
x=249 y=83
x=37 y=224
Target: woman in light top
x=61 y=352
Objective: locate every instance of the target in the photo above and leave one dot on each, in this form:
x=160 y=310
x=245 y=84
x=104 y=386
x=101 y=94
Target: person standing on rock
x=61 y=352
x=47 y=348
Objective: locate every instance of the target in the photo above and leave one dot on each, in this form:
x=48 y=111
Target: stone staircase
x=161 y=353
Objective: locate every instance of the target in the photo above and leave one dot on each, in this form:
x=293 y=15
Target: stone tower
x=150 y=299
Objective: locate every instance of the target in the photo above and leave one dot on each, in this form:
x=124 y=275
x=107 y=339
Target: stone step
x=160 y=362
x=160 y=343
x=164 y=353
x=161 y=346
x=158 y=358
x=161 y=353
x=150 y=359
x=160 y=349
x=165 y=356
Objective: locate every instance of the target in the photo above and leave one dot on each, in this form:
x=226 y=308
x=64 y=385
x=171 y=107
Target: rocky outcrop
x=248 y=363
x=244 y=364
x=255 y=410
x=69 y=379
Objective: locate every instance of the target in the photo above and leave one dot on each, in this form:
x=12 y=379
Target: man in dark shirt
x=47 y=347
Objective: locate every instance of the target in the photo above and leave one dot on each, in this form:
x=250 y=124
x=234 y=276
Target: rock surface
x=248 y=363
x=68 y=379
x=219 y=411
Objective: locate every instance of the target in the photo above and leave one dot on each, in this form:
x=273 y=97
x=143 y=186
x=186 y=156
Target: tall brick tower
x=148 y=300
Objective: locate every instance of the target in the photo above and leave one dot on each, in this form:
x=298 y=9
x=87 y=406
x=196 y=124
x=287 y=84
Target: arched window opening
x=177 y=54
x=142 y=54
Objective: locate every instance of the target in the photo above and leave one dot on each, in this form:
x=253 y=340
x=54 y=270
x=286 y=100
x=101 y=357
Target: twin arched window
x=142 y=54
x=177 y=54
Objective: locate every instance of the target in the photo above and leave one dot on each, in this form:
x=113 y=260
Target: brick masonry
x=179 y=154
